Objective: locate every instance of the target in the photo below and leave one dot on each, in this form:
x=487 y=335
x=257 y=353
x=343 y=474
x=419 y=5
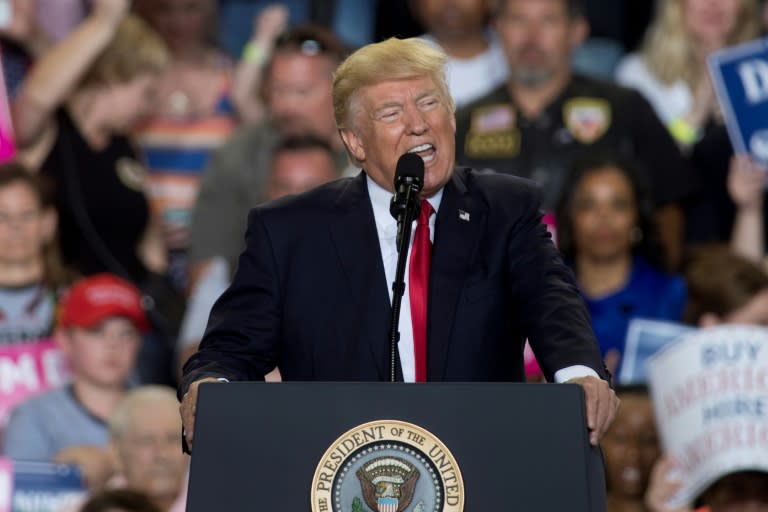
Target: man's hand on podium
x=188 y=408
x=602 y=404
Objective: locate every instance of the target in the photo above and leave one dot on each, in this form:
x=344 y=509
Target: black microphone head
x=410 y=168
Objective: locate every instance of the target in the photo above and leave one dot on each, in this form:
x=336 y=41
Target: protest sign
x=710 y=395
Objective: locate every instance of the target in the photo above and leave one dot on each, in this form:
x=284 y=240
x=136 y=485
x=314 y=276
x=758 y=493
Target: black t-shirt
x=108 y=186
x=588 y=115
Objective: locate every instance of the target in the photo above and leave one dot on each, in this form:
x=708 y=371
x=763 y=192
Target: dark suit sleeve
x=241 y=341
x=547 y=301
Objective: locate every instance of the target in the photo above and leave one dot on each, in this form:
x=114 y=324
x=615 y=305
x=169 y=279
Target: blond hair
x=393 y=59
x=135 y=49
x=669 y=50
x=126 y=408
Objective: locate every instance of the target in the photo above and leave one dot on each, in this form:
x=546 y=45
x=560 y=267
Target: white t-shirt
x=469 y=79
x=669 y=101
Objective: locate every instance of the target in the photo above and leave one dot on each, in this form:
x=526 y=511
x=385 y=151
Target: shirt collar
x=380 y=199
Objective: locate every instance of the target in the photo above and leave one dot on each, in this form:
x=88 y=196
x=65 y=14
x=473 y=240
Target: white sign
x=710 y=394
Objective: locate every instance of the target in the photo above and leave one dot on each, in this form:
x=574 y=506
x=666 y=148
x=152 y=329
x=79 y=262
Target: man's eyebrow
x=424 y=94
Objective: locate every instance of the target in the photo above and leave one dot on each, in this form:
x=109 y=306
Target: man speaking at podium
x=310 y=295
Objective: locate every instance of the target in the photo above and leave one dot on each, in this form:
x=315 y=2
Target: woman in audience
x=31 y=273
x=671 y=68
x=671 y=71
x=70 y=118
x=631 y=447
x=605 y=231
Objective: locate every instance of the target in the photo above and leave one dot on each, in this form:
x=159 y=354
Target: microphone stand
x=410 y=213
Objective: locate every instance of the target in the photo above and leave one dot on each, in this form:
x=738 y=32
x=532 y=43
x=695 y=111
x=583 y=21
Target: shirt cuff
x=575 y=371
x=222 y=379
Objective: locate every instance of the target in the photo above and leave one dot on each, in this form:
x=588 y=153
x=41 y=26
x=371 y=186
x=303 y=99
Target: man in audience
x=545 y=116
x=298 y=163
x=298 y=94
x=476 y=63
x=100 y=332
x=145 y=436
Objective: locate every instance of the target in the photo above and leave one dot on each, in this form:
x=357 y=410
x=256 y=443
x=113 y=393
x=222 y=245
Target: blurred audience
x=194 y=115
x=476 y=64
x=671 y=71
x=299 y=163
x=99 y=330
x=546 y=116
x=746 y=187
x=671 y=68
x=605 y=230
x=144 y=432
x=740 y=491
x=119 y=500
x=247 y=91
x=298 y=94
x=631 y=448
x=31 y=273
x=353 y=21
x=724 y=287
x=70 y=117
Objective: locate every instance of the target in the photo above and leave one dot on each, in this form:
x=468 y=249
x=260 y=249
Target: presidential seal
x=387 y=466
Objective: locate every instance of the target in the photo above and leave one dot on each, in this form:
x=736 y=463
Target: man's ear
x=353 y=143
x=579 y=31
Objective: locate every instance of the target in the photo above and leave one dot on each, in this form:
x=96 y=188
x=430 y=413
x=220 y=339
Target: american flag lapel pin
x=464 y=215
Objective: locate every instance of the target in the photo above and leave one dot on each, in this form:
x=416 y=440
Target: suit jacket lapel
x=356 y=241
x=460 y=222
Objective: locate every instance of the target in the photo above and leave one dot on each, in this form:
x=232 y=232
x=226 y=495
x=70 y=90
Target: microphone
x=405 y=206
x=409 y=180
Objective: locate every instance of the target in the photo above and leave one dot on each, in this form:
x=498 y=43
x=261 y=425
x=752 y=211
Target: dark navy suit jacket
x=310 y=295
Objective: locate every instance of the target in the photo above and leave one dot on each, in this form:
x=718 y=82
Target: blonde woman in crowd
x=671 y=72
x=670 y=68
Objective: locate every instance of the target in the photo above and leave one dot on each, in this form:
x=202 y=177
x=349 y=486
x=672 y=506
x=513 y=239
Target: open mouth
x=425 y=151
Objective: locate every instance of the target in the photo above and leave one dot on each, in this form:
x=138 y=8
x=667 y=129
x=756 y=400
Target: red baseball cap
x=92 y=299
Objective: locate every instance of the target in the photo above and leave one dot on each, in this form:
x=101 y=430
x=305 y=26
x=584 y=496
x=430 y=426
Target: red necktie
x=418 y=284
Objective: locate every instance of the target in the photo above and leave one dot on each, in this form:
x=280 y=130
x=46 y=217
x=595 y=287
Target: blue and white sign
x=740 y=77
x=644 y=339
x=46 y=487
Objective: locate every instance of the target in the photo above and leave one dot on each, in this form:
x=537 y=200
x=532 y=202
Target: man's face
x=538 y=37
x=294 y=172
x=395 y=117
x=452 y=19
x=105 y=354
x=149 y=453
x=299 y=94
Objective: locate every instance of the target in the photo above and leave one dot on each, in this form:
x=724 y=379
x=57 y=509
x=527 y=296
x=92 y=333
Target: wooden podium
x=370 y=447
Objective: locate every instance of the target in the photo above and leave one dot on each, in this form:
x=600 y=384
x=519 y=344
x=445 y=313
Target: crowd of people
x=142 y=142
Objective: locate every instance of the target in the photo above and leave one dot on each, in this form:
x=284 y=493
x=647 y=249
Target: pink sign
x=6 y=484
x=7 y=145
x=29 y=369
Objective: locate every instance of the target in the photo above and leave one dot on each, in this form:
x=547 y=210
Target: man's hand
x=602 y=404
x=188 y=408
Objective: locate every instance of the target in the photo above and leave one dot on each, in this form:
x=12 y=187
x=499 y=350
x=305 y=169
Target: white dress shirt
x=386 y=226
